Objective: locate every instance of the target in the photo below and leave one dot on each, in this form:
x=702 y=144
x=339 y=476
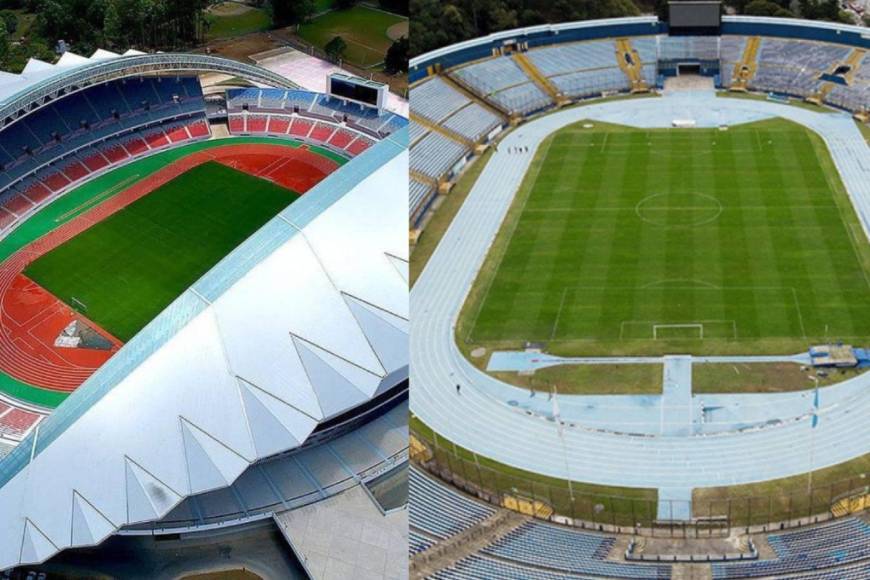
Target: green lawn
x=227 y=26
x=322 y=5
x=634 y=379
x=783 y=499
x=625 y=241
x=622 y=506
x=763 y=97
x=363 y=29
x=761 y=378
x=130 y=266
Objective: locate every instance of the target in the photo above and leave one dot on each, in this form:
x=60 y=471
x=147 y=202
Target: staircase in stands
x=629 y=61
x=745 y=69
x=538 y=78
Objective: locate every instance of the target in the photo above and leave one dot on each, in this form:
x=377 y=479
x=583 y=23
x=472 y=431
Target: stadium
x=640 y=296
x=204 y=320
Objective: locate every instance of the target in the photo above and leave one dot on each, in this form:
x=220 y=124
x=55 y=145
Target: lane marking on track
x=121 y=185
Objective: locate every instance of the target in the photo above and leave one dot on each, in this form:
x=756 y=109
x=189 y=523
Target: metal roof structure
x=303 y=322
x=41 y=82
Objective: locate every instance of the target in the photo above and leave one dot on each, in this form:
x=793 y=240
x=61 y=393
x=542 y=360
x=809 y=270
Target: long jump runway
x=478 y=421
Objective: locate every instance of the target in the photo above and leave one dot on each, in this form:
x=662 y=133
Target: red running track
x=31 y=317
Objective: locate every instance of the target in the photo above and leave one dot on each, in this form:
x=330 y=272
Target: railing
x=574 y=505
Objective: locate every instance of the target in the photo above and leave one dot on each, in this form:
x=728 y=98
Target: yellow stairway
x=460 y=86
x=450 y=134
x=422 y=178
x=537 y=76
x=634 y=69
x=851 y=505
x=854 y=64
x=745 y=69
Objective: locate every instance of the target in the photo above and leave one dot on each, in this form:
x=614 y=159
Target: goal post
x=684 y=331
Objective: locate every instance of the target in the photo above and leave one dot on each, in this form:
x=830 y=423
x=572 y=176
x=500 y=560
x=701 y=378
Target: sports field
x=638 y=241
x=129 y=267
x=229 y=19
x=363 y=29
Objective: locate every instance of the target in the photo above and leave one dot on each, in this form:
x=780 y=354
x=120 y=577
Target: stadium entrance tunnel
x=679 y=209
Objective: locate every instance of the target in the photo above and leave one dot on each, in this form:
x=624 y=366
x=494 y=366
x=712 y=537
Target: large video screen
x=694 y=14
x=350 y=90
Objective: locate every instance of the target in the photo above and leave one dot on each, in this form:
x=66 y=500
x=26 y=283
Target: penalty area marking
x=698 y=285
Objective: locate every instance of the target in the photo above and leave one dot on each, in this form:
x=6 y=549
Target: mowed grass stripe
x=620 y=227
x=129 y=267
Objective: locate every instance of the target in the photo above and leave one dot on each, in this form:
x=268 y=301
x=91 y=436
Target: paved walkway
x=675 y=503
x=643 y=414
x=518 y=361
x=676 y=402
x=484 y=420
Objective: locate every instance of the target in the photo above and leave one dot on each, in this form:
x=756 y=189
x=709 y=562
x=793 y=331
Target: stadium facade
x=289 y=358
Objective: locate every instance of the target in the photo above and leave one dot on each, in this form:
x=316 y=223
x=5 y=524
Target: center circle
x=678 y=209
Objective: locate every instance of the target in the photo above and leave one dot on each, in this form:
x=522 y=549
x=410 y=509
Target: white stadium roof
x=38 y=70
x=41 y=82
x=306 y=320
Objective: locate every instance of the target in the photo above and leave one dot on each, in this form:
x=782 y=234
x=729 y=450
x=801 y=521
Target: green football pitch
x=130 y=266
x=363 y=29
x=637 y=241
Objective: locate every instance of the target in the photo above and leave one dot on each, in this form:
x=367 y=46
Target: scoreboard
x=362 y=91
x=693 y=17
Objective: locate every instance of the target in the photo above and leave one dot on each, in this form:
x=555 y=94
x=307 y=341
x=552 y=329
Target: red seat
x=256 y=124
x=300 y=128
x=115 y=153
x=278 y=124
x=237 y=125
x=199 y=129
x=135 y=146
x=95 y=162
x=341 y=139
x=321 y=132
x=56 y=181
x=75 y=171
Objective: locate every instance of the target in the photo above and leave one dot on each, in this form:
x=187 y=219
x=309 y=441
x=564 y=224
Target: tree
x=396 y=59
x=766 y=8
x=292 y=12
x=10 y=19
x=395 y=6
x=4 y=50
x=335 y=48
x=343 y=4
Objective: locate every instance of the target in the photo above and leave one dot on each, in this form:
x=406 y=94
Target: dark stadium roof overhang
x=69 y=80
